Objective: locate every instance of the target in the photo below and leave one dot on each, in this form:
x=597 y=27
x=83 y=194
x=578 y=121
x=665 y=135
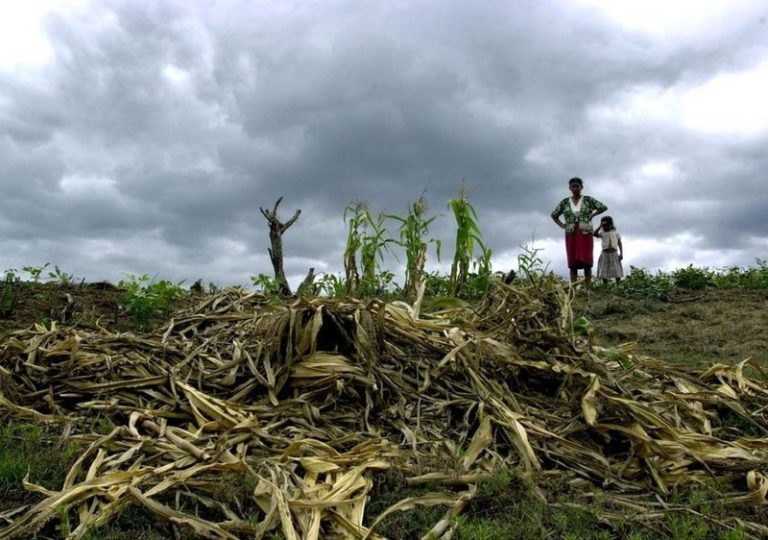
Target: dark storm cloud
x=158 y=129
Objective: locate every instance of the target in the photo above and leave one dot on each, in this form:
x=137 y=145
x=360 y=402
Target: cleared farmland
x=312 y=405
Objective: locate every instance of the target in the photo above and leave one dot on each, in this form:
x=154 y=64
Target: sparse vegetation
x=59 y=276
x=147 y=299
x=35 y=271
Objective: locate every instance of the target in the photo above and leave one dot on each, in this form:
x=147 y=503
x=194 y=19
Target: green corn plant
x=478 y=281
x=355 y=217
x=374 y=244
x=366 y=238
x=332 y=285
x=414 y=229
x=468 y=236
x=529 y=264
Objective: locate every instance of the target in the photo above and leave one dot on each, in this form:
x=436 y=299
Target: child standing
x=609 y=263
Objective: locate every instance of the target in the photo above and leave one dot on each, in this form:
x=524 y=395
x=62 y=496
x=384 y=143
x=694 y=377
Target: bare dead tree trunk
x=276 y=230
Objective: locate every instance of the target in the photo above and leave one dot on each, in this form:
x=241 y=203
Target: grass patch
x=31 y=449
x=510 y=506
x=390 y=488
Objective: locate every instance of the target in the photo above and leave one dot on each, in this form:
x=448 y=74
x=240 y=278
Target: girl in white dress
x=609 y=263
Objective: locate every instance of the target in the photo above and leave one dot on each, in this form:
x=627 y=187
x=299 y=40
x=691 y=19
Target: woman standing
x=578 y=211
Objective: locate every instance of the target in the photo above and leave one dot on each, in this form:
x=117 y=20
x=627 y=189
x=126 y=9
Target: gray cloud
x=157 y=130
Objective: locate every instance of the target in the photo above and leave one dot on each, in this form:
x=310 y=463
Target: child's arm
x=597 y=231
x=621 y=250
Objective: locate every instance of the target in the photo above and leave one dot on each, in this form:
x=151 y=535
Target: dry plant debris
x=312 y=399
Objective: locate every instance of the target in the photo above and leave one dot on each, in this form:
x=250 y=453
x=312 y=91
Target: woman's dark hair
x=576 y=179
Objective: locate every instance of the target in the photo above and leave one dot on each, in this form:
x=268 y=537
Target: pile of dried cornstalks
x=311 y=400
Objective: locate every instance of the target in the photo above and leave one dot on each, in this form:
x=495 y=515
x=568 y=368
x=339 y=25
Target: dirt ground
x=85 y=305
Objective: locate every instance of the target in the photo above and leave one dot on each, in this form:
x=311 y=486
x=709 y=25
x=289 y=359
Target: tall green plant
x=468 y=236
x=354 y=217
x=366 y=238
x=414 y=231
x=374 y=244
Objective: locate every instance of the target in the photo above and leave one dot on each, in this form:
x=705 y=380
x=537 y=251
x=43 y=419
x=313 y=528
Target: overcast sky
x=142 y=136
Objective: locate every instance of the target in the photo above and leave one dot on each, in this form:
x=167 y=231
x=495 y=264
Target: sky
x=143 y=136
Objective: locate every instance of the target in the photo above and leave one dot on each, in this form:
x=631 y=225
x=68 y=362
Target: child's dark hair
x=577 y=180
x=608 y=220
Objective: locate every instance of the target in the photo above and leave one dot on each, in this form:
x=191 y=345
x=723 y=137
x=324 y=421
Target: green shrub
x=752 y=277
x=692 y=278
x=266 y=285
x=436 y=284
x=147 y=299
x=640 y=282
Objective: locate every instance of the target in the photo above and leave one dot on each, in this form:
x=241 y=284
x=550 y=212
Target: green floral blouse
x=583 y=217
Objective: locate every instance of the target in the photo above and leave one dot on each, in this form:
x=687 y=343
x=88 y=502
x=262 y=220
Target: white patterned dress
x=609 y=263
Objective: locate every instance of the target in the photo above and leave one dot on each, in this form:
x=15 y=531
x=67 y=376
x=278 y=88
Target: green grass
x=510 y=506
x=390 y=488
x=30 y=449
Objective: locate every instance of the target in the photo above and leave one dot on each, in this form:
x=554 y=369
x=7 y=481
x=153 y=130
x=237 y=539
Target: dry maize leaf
x=588 y=407
x=349 y=529
x=201 y=527
x=480 y=441
x=284 y=513
x=317 y=465
x=758 y=491
x=506 y=417
x=217 y=409
x=25 y=412
x=37 y=515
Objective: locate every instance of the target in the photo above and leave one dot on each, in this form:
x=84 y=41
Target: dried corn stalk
x=309 y=400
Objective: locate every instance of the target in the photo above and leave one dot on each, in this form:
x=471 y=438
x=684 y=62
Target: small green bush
x=692 y=278
x=266 y=285
x=147 y=299
x=641 y=282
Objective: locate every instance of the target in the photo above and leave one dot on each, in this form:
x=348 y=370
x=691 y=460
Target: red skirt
x=579 y=248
